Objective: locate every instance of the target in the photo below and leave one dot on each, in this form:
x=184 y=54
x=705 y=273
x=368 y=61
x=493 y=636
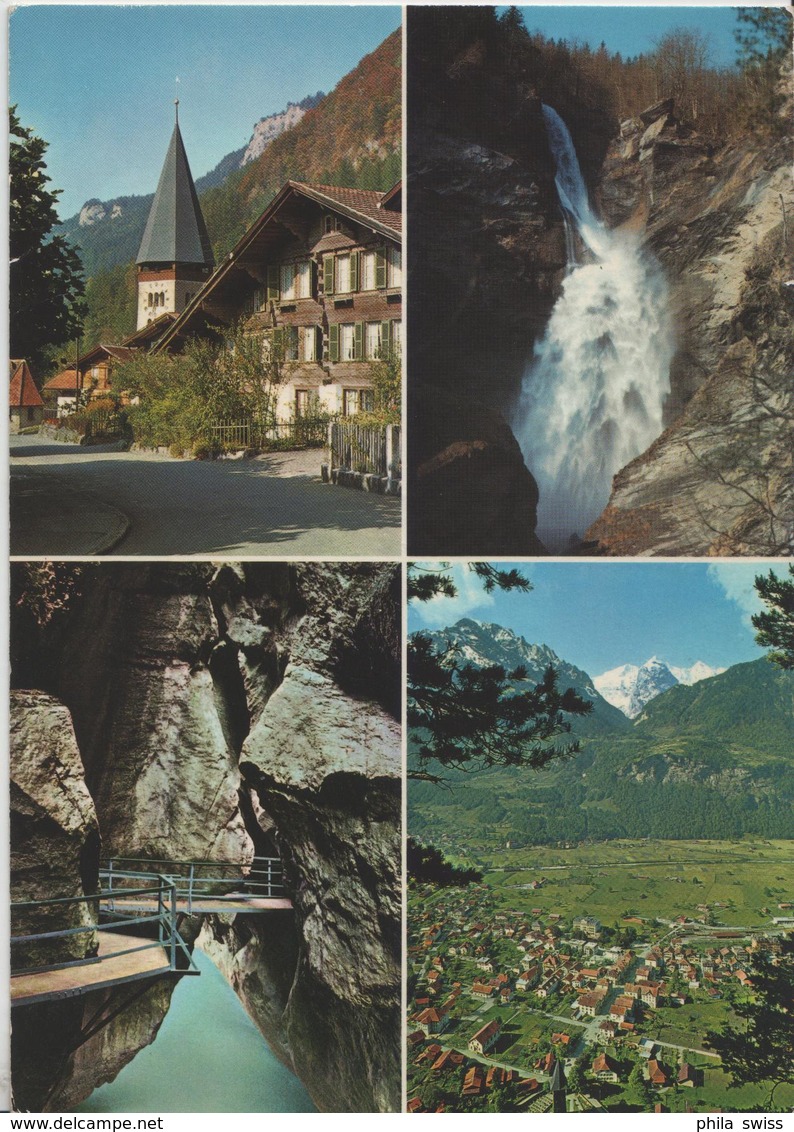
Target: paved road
x=200 y=508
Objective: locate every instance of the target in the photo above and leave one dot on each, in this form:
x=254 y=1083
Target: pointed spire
x=175 y=231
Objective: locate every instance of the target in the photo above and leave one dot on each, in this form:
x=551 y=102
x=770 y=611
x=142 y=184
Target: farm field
x=650 y=879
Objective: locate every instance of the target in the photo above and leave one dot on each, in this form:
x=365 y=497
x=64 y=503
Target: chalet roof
x=118 y=353
x=175 y=231
x=63 y=382
x=22 y=393
x=358 y=205
x=151 y=330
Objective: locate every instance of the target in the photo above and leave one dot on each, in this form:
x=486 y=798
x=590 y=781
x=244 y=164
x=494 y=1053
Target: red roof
x=23 y=393
x=65 y=382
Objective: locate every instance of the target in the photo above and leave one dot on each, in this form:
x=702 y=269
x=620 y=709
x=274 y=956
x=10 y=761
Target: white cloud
x=441 y=611
x=737 y=581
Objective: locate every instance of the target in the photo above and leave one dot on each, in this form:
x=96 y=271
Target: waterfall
x=592 y=396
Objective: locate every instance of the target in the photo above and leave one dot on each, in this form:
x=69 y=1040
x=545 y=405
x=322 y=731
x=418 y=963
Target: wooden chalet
x=322 y=265
x=26 y=408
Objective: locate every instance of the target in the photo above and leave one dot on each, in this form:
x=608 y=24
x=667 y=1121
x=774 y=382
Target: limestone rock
x=54 y=831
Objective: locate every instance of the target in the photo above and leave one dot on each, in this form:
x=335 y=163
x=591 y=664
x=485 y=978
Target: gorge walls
x=221 y=712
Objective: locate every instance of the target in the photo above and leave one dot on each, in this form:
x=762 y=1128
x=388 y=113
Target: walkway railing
x=197 y=882
x=160 y=891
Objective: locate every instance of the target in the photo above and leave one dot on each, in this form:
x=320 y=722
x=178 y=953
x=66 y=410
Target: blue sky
x=599 y=615
x=633 y=30
x=97 y=82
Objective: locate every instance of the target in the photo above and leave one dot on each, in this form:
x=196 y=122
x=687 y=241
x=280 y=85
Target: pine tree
x=776 y=625
x=45 y=281
x=759 y=1049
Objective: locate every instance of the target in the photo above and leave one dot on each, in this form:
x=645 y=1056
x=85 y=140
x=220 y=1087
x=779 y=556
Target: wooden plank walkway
x=70 y=981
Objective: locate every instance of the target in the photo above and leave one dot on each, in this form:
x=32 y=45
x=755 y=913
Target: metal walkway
x=132 y=924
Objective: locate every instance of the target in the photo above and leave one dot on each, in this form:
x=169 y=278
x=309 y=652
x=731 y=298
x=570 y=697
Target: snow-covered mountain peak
x=630 y=687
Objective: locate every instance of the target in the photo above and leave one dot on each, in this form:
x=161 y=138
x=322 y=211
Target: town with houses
x=537 y=1011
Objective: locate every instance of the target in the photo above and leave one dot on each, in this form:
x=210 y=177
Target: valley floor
x=629 y=950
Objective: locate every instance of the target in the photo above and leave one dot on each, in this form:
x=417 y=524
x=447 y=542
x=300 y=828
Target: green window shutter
x=385 y=339
x=328 y=275
x=273 y=291
x=292 y=341
x=381 y=273
x=312 y=279
x=333 y=342
x=358 y=342
x=354 y=273
x=317 y=331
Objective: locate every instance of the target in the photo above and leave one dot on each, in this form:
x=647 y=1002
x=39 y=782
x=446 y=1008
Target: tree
x=759 y=1051
x=776 y=625
x=181 y=397
x=45 y=280
x=763 y=41
x=465 y=716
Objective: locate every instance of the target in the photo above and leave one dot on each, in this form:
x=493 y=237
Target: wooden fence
x=369 y=449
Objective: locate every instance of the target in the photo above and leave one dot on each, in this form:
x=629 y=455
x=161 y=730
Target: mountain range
x=630 y=686
x=708 y=759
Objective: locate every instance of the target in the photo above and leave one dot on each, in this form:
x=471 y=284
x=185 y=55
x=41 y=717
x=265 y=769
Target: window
x=357 y=401
x=332 y=224
x=290 y=343
x=372 y=340
x=260 y=298
x=397 y=336
x=287 y=281
x=343 y=274
x=395 y=258
x=301 y=402
x=367 y=271
x=312 y=348
x=347 y=342
x=303 y=288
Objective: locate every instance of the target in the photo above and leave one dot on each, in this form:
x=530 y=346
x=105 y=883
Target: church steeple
x=175 y=257
x=558 y=1087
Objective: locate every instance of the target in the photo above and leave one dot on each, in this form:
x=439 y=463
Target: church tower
x=558 y=1087
x=175 y=258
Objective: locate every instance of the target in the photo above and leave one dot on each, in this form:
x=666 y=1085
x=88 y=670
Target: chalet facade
x=88 y=380
x=26 y=408
x=319 y=273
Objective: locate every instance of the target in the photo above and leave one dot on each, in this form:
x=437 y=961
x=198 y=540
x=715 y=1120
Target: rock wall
x=54 y=831
x=719 y=481
x=226 y=711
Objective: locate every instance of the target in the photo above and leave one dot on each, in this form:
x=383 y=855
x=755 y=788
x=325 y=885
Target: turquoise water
x=207 y=1057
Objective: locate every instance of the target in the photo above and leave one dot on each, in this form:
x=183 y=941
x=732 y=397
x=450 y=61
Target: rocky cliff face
x=720 y=479
x=486 y=262
x=268 y=129
x=223 y=712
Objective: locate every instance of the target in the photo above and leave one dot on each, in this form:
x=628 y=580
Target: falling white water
x=593 y=394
